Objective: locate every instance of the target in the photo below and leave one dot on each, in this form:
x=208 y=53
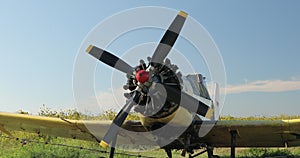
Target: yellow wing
x=76 y=129
x=47 y=125
x=267 y=133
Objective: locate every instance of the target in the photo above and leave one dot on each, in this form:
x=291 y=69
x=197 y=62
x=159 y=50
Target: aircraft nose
x=142 y=76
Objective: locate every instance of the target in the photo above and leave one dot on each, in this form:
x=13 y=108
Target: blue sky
x=258 y=40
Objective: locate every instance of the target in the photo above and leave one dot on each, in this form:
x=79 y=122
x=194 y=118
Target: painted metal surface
x=266 y=133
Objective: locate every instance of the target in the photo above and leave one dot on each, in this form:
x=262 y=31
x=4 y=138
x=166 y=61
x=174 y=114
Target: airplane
x=176 y=111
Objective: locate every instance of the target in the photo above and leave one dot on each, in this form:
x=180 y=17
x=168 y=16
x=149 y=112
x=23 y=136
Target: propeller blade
x=109 y=59
x=169 y=38
x=188 y=102
x=114 y=128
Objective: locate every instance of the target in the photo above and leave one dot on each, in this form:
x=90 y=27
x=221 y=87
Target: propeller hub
x=142 y=76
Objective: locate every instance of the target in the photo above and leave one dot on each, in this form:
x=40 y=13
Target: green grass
x=38 y=147
x=61 y=147
x=259 y=152
x=56 y=147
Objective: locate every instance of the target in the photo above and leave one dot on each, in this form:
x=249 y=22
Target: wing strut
x=233 y=142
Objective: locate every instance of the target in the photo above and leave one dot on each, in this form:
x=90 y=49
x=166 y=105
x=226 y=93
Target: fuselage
x=194 y=85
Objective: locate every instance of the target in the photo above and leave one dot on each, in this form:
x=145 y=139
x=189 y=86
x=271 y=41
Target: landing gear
x=210 y=152
x=187 y=146
x=112 y=148
x=169 y=152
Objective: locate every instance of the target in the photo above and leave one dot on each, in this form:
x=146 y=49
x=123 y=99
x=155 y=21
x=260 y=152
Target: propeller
x=109 y=59
x=169 y=38
x=146 y=77
x=113 y=130
x=188 y=102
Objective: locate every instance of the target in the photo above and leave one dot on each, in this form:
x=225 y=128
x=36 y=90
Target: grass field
x=34 y=145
